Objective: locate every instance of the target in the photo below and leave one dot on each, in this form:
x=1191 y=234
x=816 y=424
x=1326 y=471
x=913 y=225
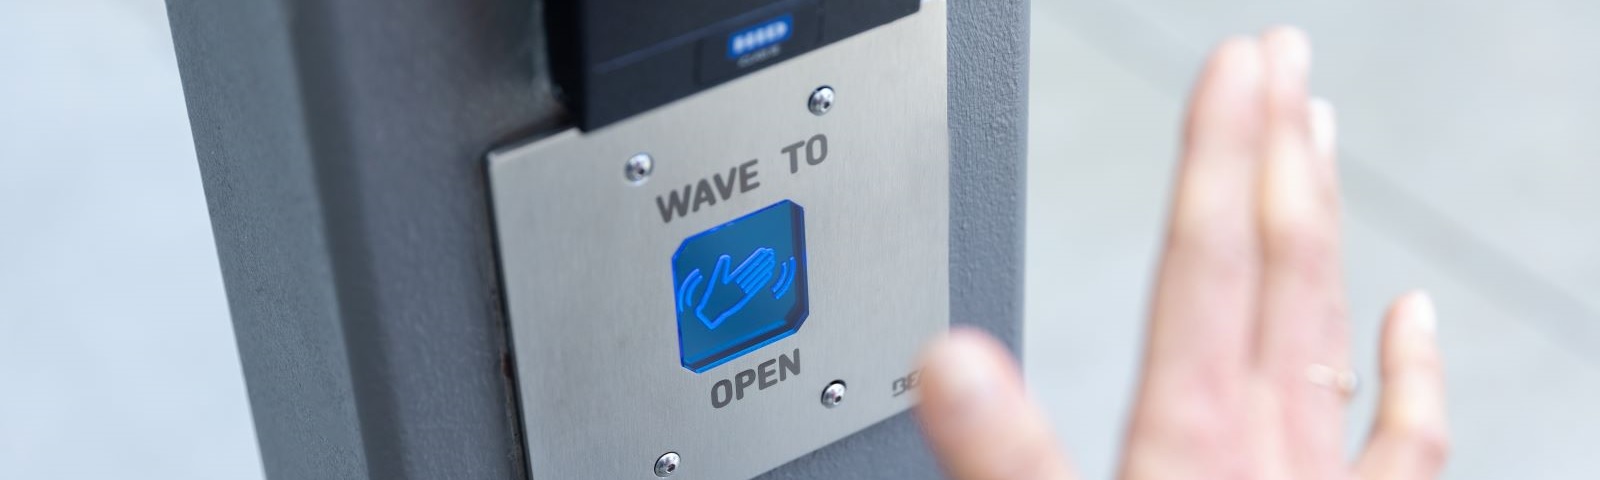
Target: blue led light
x=763 y=35
x=740 y=285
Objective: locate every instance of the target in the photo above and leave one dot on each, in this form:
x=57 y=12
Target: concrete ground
x=1468 y=164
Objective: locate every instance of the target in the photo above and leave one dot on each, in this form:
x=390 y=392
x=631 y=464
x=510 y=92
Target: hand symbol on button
x=730 y=288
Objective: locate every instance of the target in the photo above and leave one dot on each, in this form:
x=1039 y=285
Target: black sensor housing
x=616 y=58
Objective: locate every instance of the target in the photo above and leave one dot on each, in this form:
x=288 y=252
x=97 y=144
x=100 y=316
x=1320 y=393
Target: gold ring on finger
x=1341 y=381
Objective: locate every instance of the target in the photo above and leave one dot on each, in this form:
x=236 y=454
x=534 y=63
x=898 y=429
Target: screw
x=667 y=464
x=833 y=395
x=639 y=167
x=821 y=100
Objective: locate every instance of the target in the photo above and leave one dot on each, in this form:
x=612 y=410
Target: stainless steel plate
x=590 y=283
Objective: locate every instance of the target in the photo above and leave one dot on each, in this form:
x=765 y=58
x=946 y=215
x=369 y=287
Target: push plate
x=703 y=308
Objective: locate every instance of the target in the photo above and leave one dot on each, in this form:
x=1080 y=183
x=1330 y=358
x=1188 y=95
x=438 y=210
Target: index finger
x=979 y=421
x=1201 y=327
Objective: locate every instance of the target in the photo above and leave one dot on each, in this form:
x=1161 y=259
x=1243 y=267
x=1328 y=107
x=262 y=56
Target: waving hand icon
x=730 y=288
x=740 y=285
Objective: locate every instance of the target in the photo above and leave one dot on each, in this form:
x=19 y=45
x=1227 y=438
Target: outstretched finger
x=978 y=419
x=1410 y=439
x=1303 y=328
x=1206 y=293
x=1199 y=346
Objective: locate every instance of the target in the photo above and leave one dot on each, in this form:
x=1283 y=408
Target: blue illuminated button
x=740 y=285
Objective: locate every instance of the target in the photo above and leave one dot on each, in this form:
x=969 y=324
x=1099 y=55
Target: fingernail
x=1237 y=74
x=1324 y=126
x=1245 y=61
x=1288 y=55
x=965 y=379
x=1290 y=49
x=1423 y=318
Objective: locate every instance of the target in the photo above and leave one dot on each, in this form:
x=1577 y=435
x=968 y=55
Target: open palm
x=1246 y=370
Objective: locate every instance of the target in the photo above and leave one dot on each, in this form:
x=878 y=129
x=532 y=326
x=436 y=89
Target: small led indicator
x=763 y=35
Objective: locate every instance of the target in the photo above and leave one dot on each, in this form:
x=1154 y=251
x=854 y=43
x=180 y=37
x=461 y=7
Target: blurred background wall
x=1470 y=165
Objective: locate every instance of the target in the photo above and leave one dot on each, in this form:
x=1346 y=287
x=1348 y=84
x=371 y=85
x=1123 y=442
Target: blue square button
x=740 y=286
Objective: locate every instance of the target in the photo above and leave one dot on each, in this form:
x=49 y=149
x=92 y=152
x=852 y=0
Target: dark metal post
x=341 y=147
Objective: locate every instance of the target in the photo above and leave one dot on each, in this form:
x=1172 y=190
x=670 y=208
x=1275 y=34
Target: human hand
x=1247 y=357
x=730 y=288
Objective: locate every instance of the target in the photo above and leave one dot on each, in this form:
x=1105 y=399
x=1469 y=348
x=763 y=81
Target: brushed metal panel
x=586 y=258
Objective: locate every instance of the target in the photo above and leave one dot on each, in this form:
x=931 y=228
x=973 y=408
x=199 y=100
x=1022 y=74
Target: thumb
x=979 y=421
x=720 y=273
